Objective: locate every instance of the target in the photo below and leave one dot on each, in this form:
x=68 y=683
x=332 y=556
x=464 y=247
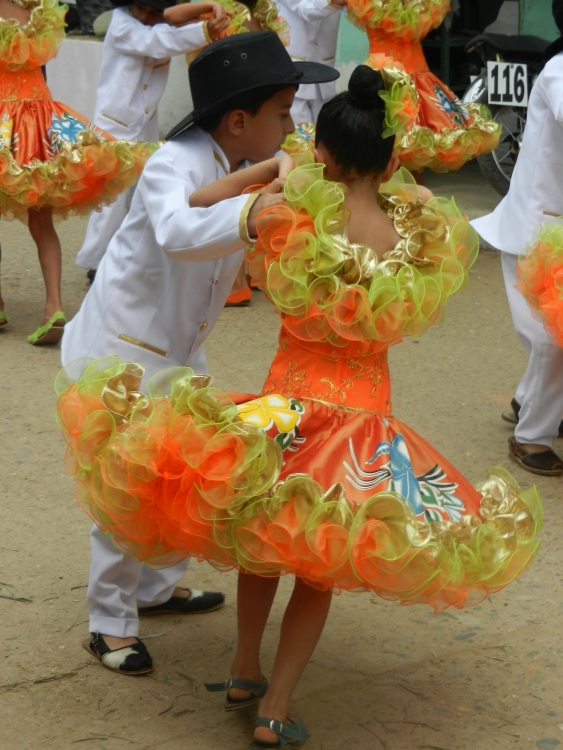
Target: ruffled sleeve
x=32 y=45
x=332 y=291
x=408 y=20
x=540 y=279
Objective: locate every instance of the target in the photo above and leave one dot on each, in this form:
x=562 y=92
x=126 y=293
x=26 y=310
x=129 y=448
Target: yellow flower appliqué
x=261 y=412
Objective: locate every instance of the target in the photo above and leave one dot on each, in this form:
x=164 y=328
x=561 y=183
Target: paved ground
x=383 y=676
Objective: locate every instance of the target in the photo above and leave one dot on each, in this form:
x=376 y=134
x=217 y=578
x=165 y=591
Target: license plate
x=508 y=84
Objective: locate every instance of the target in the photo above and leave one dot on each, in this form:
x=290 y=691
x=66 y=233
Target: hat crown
x=238 y=64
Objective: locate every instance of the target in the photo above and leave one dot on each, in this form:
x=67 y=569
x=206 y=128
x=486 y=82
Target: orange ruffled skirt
x=52 y=156
x=447 y=133
x=296 y=481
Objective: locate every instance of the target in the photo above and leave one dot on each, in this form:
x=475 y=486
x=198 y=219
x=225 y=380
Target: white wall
x=73 y=79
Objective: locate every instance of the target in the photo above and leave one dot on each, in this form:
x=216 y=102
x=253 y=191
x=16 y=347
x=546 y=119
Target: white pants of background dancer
x=101 y=227
x=119 y=584
x=540 y=392
x=307 y=110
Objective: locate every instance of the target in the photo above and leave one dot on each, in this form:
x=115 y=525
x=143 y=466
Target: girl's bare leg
x=255 y=596
x=50 y=257
x=301 y=629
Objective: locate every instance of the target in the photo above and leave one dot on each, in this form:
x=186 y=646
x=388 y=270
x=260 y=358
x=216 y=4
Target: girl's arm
x=234 y=184
x=178 y=15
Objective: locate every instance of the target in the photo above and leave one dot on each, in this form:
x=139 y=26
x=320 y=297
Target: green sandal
x=291 y=734
x=51 y=332
x=3 y=319
x=256 y=690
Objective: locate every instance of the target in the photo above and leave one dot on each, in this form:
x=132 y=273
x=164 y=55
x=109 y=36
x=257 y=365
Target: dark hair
x=250 y=102
x=350 y=125
x=557 y=10
x=250 y=4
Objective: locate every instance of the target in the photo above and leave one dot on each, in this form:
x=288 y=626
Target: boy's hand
x=220 y=19
x=266 y=200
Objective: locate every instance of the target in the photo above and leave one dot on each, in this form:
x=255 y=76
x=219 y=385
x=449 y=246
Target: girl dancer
x=53 y=162
x=315 y=477
x=447 y=133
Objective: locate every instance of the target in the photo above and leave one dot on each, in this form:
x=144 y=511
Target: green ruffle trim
x=332 y=291
x=32 y=45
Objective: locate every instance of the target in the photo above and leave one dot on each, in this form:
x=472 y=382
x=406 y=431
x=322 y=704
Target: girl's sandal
x=256 y=690
x=51 y=332
x=291 y=734
x=3 y=319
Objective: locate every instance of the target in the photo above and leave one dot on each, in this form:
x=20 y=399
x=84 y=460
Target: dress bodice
x=29 y=46
x=408 y=52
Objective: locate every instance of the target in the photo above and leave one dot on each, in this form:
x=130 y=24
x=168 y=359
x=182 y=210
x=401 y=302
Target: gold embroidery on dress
x=293 y=380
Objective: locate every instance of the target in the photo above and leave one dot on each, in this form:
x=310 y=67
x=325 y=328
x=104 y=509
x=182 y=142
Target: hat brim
x=311 y=73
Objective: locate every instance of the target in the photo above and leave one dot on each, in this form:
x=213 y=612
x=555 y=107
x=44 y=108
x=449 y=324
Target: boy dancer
x=167 y=272
x=535 y=195
x=135 y=66
x=313 y=33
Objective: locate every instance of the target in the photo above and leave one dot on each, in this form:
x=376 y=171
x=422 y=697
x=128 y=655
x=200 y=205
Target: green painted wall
x=352 y=50
x=536 y=19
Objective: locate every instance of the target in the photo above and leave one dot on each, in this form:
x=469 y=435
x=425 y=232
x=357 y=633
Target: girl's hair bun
x=364 y=87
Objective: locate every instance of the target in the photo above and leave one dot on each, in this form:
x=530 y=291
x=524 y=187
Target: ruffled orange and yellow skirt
x=447 y=132
x=343 y=497
x=52 y=156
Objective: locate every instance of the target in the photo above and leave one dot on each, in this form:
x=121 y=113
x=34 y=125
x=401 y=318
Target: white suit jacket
x=313 y=33
x=536 y=188
x=134 y=72
x=167 y=272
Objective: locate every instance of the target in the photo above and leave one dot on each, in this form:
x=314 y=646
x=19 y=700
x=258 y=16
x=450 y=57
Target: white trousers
x=119 y=583
x=540 y=392
x=306 y=110
x=100 y=230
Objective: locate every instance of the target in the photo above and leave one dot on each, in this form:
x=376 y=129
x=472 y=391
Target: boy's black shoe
x=198 y=602
x=512 y=415
x=129 y=660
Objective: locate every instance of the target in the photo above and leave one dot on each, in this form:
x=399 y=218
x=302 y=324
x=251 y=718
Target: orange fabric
x=436 y=111
x=323 y=372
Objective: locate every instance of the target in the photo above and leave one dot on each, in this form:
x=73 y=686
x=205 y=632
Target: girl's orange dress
x=315 y=476
x=49 y=154
x=447 y=132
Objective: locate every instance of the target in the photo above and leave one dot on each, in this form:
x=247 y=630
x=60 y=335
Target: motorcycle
x=498 y=165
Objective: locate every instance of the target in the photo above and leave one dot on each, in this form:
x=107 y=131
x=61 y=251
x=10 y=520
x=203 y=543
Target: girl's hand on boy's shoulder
x=219 y=21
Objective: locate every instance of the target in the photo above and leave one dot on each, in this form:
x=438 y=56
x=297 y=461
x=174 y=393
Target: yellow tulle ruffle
x=421 y=148
x=179 y=473
x=409 y=20
x=332 y=291
x=35 y=43
x=84 y=176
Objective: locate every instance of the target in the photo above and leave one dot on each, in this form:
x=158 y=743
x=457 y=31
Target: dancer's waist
x=337 y=376
x=21 y=85
x=409 y=54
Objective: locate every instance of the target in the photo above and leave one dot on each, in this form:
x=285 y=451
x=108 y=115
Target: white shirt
x=313 y=33
x=535 y=195
x=167 y=273
x=134 y=72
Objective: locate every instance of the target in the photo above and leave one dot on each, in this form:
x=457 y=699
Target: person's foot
x=242 y=298
x=271 y=732
x=186 y=602
x=512 y=415
x=538 y=459
x=128 y=656
x=91 y=275
x=51 y=332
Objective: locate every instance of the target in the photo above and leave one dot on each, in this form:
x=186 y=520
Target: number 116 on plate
x=507 y=84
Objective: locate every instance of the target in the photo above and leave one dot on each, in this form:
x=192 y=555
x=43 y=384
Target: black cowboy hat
x=241 y=63
x=160 y=5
